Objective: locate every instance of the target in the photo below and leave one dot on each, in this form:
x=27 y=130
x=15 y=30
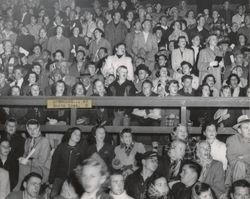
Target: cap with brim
x=149 y=154
x=242 y=119
x=142 y=67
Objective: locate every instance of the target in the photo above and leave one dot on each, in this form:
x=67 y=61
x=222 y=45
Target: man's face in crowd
x=245 y=130
x=32 y=187
x=5 y=148
x=117 y=184
x=142 y=75
x=187 y=83
x=241 y=193
x=147 y=89
x=173 y=88
x=117 y=17
x=146 y=26
x=120 y=50
x=150 y=164
x=33 y=130
x=201 y=21
x=188 y=175
x=127 y=138
x=123 y=73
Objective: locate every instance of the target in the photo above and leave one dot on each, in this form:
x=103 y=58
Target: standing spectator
x=239 y=16
x=121 y=87
x=246 y=29
x=116 y=31
x=181 y=54
x=177 y=32
x=238 y=157
x=199 y=30
x=43 y=38
x=8 y=34
x=113 y=62
x=34 y=27
x=96 y=44
x=145 y=45
x=208 y=64
x=226 y=13
x=89 y=26
x=137 y=183
x=25 y=41
x=59 y=42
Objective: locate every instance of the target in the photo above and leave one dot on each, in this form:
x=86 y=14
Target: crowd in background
x=125 y=48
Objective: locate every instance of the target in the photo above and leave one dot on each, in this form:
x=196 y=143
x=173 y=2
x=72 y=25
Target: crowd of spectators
x=124 y=48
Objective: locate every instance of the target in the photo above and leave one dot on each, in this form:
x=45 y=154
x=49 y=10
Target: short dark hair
x=186 y=63
x=147 y=82
x=206 y=77
x=232 y=75
x=29 y=176
x=11 y=119
x=58 y=51
x=74 y=88
x=239 y=183
x=32 y=122
x=126 y=130
x=184 y=77
x=194 y=166
x=209 y=123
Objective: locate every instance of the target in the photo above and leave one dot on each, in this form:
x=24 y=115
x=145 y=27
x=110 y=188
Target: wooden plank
x=117 y=129
x=183 y=115
x=133 y=101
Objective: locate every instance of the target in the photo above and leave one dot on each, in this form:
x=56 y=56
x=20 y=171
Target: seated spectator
x=137 y=183
x=202 y=190
x=218 y=148
x=162 y=77
x=37 y=53
x=4 y=85
x=25 y=41
x=239 y=189
x=159 y=189
x=36 y=153
x=117 y=187
x=212 y=170
x=97 y=185
x=30 y=187
x=4 y=184
x=30 y=79
x=125 y=153
x=190 y=173
x=187 y=90
x=186 y=69
x=100 y=146
x=210 y=80
x=238 y=157
x=239 y=70
x=146 y=117
x=113 y=62
x=172 y=160
x=142 y=73
x=239 y=16
x=234 y=82
x=18 y=77
x=8 y=162
x=68 y=153
x=16 y=140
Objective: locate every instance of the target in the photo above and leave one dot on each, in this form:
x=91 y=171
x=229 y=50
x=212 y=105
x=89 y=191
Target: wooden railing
x=178 y=102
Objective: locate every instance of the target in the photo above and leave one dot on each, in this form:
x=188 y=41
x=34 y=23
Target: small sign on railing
x=71 y=103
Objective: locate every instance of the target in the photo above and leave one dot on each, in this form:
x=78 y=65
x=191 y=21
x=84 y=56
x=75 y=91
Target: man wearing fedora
x=238 y=152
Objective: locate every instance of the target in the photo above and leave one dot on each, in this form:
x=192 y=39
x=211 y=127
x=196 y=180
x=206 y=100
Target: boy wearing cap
x=238 y=151
x=137 y=183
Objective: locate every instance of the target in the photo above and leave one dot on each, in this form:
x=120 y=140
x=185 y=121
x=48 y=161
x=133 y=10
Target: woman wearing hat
x=238 y=148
